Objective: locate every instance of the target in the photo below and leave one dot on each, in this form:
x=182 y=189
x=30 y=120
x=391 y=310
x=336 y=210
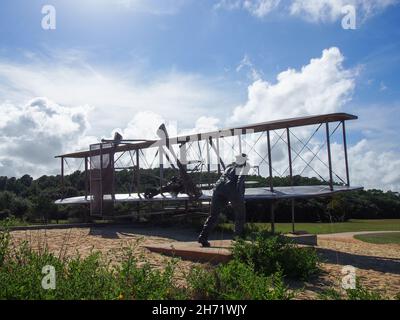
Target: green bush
x=359 y=293
x=80 y=278
x=146 y=283
x=235 y=281
x=268 y=254
x=4 y=245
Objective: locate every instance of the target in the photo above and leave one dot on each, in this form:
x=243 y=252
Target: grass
x=380 y=238
x=324 y=228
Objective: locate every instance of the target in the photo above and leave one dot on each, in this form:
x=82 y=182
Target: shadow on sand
x=173 y=233
x=380 y=264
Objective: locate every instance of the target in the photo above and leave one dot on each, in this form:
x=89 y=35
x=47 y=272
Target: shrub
x=237 y=280
x=359 y=293
x=80 y=278
x=269 y=253
x=146 y=283
x=4 y=245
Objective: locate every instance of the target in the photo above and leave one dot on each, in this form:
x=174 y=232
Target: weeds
x=80 y=278
x=268 y=254
x=358 y=293
x=235 y=281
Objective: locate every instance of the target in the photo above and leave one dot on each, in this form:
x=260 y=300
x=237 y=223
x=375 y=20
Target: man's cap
x=241 y=158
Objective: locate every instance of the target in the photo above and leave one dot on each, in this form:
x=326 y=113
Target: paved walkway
x=351 y=234
x=348 y=236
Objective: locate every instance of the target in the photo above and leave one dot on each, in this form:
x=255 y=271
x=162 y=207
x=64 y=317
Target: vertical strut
x=86 y=178
x=328 y=144
x=101 y=179
x=62 y=178
x=345 y=153
x=208 y=162
x=183 y=155
x=290 y=172
x=137 y=173
x=218 y=156
x=271 y=185
x=208 y=156
x=161 y=159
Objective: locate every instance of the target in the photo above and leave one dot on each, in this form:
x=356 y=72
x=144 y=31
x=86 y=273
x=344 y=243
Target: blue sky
x=107 y=60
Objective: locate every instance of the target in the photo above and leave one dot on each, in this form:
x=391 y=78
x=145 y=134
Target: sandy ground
x=112 y=242
x=377 y=266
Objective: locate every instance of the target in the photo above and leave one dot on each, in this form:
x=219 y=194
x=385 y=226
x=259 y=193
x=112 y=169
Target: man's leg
x=239 y=208
x=216 y=206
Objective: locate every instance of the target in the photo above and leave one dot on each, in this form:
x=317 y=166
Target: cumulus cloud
x=374 y=168
x=130 y=99
x=322 y=86
x=116 y=96
x=33 y=133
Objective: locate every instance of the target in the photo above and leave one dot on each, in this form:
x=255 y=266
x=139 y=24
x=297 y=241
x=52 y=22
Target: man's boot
x=203 y=241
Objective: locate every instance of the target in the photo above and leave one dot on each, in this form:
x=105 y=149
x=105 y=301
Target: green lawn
x=323 y=228
x=380 y=238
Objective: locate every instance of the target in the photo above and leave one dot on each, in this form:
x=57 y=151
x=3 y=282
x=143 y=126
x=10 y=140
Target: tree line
x=32 y=200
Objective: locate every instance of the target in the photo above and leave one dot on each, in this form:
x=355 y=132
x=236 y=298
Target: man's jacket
x=232 y=180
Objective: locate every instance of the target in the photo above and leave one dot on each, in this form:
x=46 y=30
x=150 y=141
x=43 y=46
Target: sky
x=95 y=66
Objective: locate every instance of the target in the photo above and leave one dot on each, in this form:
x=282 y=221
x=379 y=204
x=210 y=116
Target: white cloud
x=309 y=10
x=246 y=63
x=374 y=168
x=32 y=134
x=78 y=94
x=156 y=7
x=116 y=96
x=331 y=10
x=258 y=8
x=322 y=86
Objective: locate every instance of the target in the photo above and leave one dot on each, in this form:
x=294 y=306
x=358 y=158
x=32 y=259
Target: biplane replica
x=210 y=152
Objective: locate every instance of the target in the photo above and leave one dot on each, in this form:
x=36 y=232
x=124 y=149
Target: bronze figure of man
x=230 y=187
